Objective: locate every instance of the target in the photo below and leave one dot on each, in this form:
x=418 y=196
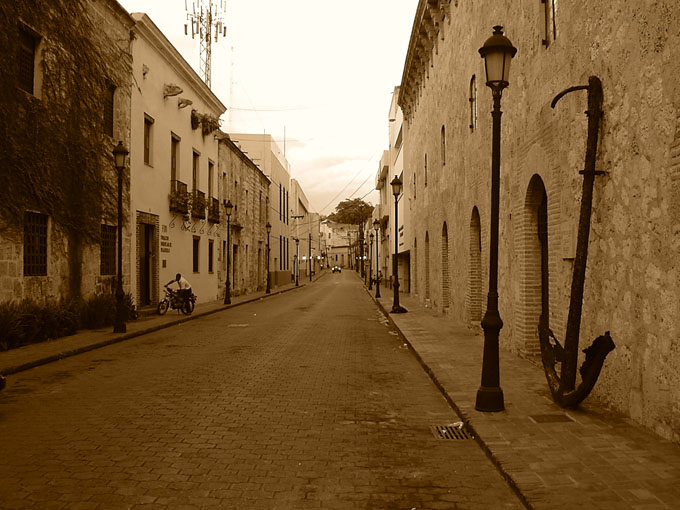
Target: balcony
x=214 y=211
x=198 y=205
x=179 y=197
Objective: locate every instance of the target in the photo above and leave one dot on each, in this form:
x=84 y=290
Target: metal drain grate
x=451 y=432
x=550 y=418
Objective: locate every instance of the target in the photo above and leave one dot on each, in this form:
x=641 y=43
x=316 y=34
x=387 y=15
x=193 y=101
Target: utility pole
x=205 y=18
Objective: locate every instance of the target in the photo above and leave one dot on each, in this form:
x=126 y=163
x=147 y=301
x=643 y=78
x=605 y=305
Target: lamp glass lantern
x=268 y=226
x=497 y=53
x=376 y=226
x=397 y=186
x=229 y=207
x=120 y=152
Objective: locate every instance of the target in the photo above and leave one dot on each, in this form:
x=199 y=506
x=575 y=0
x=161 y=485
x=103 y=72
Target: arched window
x=473 y=103
x=425 y=170
x=443 y=145
x=427 y=265
x=550 y=12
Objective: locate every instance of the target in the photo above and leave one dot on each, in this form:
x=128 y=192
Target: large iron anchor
x=563 y=387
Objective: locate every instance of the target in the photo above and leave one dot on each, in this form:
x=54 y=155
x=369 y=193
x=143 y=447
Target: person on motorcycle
x=184 y=286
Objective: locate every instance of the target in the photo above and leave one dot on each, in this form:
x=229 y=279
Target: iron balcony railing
x=179 y=197
x=198 y=204
x=214 y=210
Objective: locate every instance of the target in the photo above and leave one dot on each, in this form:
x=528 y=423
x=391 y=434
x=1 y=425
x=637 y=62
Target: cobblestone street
x=305 y=400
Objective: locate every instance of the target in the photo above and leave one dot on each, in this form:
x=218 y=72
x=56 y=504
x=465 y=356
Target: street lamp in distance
x=268 y=226
x=228 y=207
x=120 y=153
x=296 y=266
x=376 y=227
x=497 y=53
x=370 y=262
x=397 y=187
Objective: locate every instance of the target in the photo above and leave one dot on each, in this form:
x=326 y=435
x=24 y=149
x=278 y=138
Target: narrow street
x=304 y=400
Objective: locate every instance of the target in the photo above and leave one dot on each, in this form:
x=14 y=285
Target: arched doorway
x=414 y=288
x=535 y=274
x=474 y=293
x=446 y=282
x=427 y=265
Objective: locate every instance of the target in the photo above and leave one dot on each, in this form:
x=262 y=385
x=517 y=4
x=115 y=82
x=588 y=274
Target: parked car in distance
x=336 y=269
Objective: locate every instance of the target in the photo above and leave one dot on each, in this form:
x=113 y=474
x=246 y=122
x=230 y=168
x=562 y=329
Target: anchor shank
x=571 y=340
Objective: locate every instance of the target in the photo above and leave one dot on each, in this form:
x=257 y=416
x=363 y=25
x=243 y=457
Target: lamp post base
x=398 y=309
x=489 y=400
x=120 y=328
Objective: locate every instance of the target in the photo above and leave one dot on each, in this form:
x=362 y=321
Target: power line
x=345 y=187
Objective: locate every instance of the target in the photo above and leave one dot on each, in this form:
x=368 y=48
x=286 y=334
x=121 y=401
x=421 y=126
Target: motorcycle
x=173 y=300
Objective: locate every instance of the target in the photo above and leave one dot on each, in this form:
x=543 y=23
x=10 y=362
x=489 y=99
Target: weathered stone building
x=247 y=187
x=632 y=285
x=263 y=150
x=64 y=104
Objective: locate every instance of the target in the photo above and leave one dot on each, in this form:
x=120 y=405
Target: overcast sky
x=320 y=71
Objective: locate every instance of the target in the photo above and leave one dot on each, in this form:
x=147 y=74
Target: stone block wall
x=58 y=157
x=632 y=285
x=248 y=189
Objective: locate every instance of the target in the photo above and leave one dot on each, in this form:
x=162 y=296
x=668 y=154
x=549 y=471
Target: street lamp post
x=360 y=247
x=297 y=262
x=310 y=256
x=370 y=262
x=396 y=191
x=497 y=53
x=269 y=285
x=227 y=294
x=120 y=152
x=376 y=226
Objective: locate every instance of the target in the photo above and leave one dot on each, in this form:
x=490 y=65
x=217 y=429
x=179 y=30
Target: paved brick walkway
x=309 y=399
x=596 y=460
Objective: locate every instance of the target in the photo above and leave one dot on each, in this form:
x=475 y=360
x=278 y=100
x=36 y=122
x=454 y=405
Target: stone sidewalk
x=554 y=458
x=17 y=360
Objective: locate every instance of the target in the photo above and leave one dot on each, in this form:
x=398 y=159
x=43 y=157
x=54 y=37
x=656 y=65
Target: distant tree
x=353 y=211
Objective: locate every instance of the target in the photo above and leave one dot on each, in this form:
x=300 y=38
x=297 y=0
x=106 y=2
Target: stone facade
x=247 y=187
x=64 y=104
x=263 y=150
x=632 y=285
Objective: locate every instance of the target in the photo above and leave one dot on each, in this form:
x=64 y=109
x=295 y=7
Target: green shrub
x=27 y=322
x=98 y=311
x=8 y=325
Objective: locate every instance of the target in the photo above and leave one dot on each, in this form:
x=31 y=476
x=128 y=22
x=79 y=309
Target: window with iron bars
x=107 y=247
x=28 y=43
x=35 y=244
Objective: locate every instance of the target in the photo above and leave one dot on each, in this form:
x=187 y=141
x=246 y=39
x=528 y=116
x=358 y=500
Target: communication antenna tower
x=206 y=18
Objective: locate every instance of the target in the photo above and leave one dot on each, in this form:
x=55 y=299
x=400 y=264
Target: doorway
x=147 y=270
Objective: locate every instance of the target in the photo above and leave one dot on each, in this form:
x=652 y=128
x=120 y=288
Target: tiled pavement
x=596 y=460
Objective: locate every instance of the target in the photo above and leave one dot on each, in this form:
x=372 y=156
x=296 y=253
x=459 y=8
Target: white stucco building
x=173 y=167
